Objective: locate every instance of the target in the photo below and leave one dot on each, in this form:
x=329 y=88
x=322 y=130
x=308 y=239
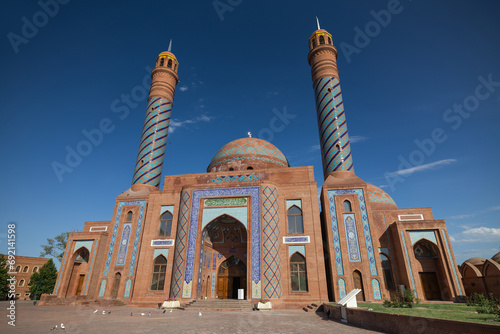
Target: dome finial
x=317 y=22
x=249 y=135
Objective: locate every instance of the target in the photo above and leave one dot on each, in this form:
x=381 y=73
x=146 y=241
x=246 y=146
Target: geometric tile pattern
x=128 y=286
x=235 y=178
x=342 y=291
x=122 y=251
x=254 y=192
x=180 y=250
x=270 y=242
x=422 y=234
x=102 y=289
x=115 y=231
x=409 y=264
x=136 y=240
x=335 y=146
x=203 y=261
x=351 y=237
x=213 y=285
x=452 y=263
x=376 y=289
x=148 y=166
x=377 y=195
x=335 y=232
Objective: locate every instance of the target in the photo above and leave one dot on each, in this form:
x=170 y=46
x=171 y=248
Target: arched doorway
x=116 y=285
x=358 y=284
x=79 y=272
x=426 y=253
x=232 y=276
x=223 y=259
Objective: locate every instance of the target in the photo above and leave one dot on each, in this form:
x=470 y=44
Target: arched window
x=35 y=269
x=329 y=40
x=21 y=282
x=298 y=272
x=249 y=167
x=130 y=215
x=321 y=39
x=18 y=269
x=425 y=248
x=159 y=270
x=82 y=256
x=25 y=269
x=386 y=270
x=165 y=224
x=347 y=206
x=169 y=64
x=295 y=223
x=162 y=61
x=314 y=42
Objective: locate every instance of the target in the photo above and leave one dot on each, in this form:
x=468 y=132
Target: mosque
x=252 y=223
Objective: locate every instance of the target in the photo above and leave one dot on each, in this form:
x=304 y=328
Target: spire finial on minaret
x=317 y=22
x=170 y=46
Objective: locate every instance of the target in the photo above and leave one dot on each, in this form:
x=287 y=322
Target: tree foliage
x=55 y=247
x=4 y=269
x=44 y=280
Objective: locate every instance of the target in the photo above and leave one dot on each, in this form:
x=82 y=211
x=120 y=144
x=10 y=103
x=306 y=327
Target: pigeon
x=131 y=314
x=199 y=313
x=109 y=312
x=149 y=314
x=53 y=328
x=143 y=313
x=103 y=312
x=95 y=311
x=164 y=311
x=170 y=311
x=62 y=326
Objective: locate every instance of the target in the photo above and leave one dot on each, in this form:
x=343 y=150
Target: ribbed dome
x=247 y=153
x=496 y=257
x=476 y=261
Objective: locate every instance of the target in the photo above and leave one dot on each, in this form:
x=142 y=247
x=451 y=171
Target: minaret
x=335 y=146
x=148 y=166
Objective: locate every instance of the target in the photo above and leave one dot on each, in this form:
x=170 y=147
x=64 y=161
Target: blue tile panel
x=297 y=240
x=235 y=178
x=66 y=254
x=408 y=263
x=122 y=250
x=332 y=125
x=424 y=234
x=115 y=232
x=365 y=222
x=254 y=192
x=137 y=237
x=292 y=202
x=335 y=233
x=148 y=166
x=83 y=243
x=352 y=237
x=342 y=290
x=376 y=289
x=128 y=286
x=452 y=263
x=296 y=248
x=270 y=241
x=160 y=251
x=102 y=289
x=180 y=249
x=91 y=265
x=240 y=213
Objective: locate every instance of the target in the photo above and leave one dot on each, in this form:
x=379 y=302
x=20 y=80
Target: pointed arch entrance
x=427 y=255
x=78 y=272
x=223 y=259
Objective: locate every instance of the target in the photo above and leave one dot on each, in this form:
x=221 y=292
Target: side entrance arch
x=232 y=276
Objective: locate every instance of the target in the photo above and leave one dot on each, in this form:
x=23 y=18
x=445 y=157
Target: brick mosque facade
x=253 y=224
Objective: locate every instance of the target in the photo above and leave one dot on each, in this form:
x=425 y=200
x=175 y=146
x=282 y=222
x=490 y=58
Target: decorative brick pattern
x=148 y=166
x=332 y=126
x=180 y=249
x=270 y=243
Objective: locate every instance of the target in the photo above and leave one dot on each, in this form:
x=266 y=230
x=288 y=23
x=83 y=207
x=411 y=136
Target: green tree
x=44 y=280
x=4 y=269
x=55 y=247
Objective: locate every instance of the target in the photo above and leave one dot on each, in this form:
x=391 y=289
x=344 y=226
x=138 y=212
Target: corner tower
x=148 y=166
x=334 y=140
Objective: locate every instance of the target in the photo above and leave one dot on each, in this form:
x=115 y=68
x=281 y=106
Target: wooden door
x=222 y=287
x=430 y=285
x=80 y=285
x=358 y=284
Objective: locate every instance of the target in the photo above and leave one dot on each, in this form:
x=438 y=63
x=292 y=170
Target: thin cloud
x=175 y=124
x=478 y=234
x=357 y=139
x=183 y=88
x=314 y=148
x=464 y=216
x=494 y=208
x=421 y=168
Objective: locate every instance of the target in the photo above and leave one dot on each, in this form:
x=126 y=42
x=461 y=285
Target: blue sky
x=421 y=90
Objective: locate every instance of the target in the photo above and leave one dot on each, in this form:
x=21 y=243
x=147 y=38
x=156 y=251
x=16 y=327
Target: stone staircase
x=219 y=305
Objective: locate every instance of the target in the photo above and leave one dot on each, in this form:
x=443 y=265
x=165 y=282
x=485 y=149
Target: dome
x=476 y=261
x=380 y=199
x=496 y=257
x=247 y=153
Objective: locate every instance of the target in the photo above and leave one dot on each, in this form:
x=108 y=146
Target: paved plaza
x=80 y=319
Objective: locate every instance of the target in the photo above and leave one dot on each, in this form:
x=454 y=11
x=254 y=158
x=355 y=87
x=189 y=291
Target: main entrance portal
x=223 y=259
x=232 y=276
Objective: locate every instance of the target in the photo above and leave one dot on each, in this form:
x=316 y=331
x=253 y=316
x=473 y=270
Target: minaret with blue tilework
x=334 y=139
x=149 y=163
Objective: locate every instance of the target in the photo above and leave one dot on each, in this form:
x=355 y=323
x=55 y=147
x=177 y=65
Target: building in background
x=25 y=266
x=482 y=275
x=252 y=224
